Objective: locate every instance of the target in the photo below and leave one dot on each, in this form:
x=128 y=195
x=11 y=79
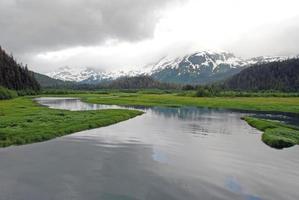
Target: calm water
x=167 y=153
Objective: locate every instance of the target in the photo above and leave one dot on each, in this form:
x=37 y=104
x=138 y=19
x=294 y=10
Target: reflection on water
x=292 y=119
x=167 y=153
x=233 y=185
x=71 y=104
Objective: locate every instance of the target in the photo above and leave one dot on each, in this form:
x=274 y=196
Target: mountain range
x=196 y=68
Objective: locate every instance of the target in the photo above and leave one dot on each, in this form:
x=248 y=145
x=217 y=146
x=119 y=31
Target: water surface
x=167 y=153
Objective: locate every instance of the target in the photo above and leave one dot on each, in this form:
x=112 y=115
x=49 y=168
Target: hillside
x=281 y=75
x=137 y=82
x=48 y=82
x=15 y=76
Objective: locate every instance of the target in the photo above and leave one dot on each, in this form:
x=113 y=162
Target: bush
x=188 y=87
x=7 y=94
x=27 y=92
x=208 y=91
x=202 y=92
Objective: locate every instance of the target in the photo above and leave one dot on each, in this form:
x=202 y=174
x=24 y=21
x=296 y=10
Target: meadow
x=272 y=104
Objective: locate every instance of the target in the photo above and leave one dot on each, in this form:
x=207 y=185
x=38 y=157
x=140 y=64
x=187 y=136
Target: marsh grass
x=276 y=134
x=23 y=121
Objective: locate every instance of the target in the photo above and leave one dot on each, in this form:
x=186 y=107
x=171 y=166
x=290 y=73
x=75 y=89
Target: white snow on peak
x=191 y=63
x=72 y=74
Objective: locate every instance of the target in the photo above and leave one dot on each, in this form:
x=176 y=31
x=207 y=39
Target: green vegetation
x=278 y=104
x=215 y=91
x=137 y=82
x=267 y=93
x=276 y=134
x=7 y=94
x=23 y=121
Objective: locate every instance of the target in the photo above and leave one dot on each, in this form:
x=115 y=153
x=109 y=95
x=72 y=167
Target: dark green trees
x=15 y=76
x=278 y=76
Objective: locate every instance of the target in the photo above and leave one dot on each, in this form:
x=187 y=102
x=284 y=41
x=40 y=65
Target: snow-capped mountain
x=88 y=75
x=70 y=74
x=203 y=67
x=196 y=68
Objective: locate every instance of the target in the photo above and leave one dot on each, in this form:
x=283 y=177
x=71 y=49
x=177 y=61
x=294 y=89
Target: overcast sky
x=122 y=34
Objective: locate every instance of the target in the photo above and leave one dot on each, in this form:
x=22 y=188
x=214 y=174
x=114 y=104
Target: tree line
x=15 y=76
x=278 y=76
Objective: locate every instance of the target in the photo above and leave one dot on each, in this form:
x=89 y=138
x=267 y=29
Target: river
x=167 y=153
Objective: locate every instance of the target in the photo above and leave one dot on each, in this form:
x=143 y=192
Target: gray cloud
x=32 y=28
x=281 y=38
x=34 y=25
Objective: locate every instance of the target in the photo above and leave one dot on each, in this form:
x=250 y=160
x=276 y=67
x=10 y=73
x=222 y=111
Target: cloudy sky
x=122 y=34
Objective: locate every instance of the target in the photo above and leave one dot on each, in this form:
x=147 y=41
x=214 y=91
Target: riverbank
x=271 y=104
x=23 y=121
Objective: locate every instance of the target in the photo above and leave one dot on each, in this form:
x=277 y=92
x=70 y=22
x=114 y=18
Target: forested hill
x=15 y=76
x=137 y=82
x=282 y=76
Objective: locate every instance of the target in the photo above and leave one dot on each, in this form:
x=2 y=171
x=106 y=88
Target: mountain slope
x=14 y=76
x=198 y=68
x=48 y=82
x=281 y=75
x=86 y=75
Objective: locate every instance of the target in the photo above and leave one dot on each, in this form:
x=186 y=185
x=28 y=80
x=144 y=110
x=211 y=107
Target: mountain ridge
x=200 y=67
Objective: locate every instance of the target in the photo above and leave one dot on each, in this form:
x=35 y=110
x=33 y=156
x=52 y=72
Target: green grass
x=23 y=121
x=278 y=104
x=276 y=134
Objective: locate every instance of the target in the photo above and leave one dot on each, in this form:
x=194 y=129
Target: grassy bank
x=276 y=135
x=278 y=104
x=23 y=121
